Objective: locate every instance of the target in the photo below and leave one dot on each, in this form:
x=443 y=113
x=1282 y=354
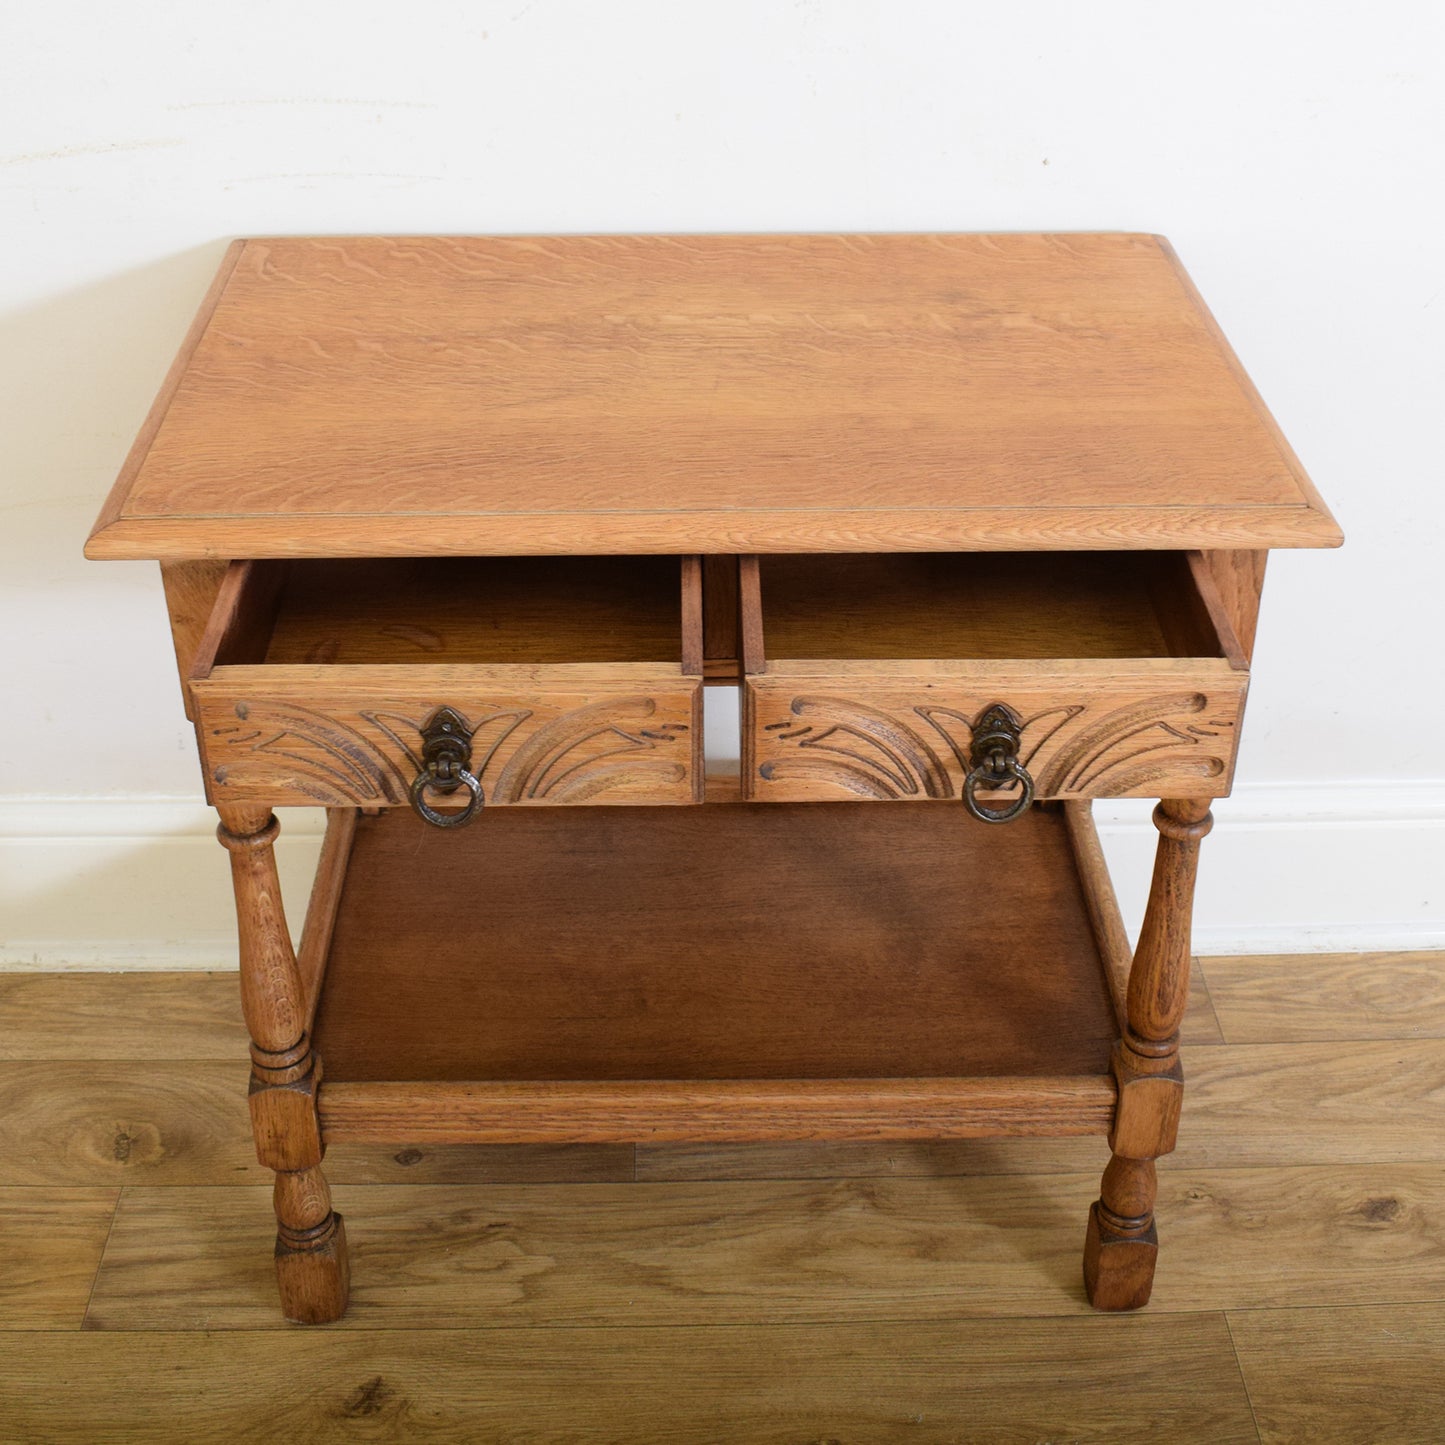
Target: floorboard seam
x=100 y=1258
x=1244 y=1383
x=281 y=1330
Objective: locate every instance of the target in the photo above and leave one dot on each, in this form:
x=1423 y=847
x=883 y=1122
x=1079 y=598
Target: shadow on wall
x=79 y=373
x=81 y=370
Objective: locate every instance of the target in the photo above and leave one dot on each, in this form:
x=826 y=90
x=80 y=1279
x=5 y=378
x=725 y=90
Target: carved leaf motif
x=489 y=732
x=373 y=756
x=327 y=761
x=1091 y=759
x=567 y=760
x=882 y=757
x=869 y=751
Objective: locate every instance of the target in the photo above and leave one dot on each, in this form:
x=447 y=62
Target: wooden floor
x=857 y=1293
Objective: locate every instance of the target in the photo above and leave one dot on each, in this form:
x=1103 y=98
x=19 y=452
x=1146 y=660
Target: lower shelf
x=729 y=971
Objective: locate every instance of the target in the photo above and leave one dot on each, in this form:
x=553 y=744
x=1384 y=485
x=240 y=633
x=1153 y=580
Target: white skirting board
x=138 y=883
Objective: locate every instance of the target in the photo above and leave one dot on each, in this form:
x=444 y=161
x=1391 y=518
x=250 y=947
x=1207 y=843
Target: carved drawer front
x=1118 y=675
x=575 y=680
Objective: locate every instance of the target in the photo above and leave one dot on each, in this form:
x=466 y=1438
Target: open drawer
x=898 y=676
x=572 y=680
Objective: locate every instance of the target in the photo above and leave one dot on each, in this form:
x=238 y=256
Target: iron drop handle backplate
x=446 y=756
x=994 y=756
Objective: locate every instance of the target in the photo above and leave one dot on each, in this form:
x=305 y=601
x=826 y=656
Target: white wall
x=1290 y=150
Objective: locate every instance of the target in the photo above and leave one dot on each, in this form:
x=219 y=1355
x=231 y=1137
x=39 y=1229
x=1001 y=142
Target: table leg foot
x=1118 y=1268
x=313 y=1271
x=1122 y=1245
x=314 y=1278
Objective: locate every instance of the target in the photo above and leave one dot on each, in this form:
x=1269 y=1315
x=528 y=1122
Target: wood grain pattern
x=998 y=528
x=314 y=681
x=1256 y=1105
x=1186 y=282
x=1201 y=1021
x=1091 y=729
x=453 y=611
x=1272 y=1245
x=1102 y=903
x=716 y=1111
x=852 y=1158
x=127 y=1122
x=817 y=941
x=102 y=1123
x=190 y=589
x=1344 y=1103
x=1121 y=1245
x=869 y=1158
x=94 y=1124
x=734 y=1252
x=350 y=736
x=975 y=606
x=720 y=617
x=1200 y=616
x=1372 y=1374
x=97 y=1016
x=881 y=1383
x=321 y=908
x=1239 y=576
x=1316 y=998
x=352 y=1162
x=120 y=493
x=311 y=1264
x=51 y=1244
x=395 y=396
x=866 y=675
x=665 y=1254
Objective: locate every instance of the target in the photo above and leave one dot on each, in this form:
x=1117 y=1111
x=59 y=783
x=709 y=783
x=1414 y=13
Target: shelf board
x=724 y=971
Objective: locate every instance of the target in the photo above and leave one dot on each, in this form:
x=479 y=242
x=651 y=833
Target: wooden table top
x=389 y=396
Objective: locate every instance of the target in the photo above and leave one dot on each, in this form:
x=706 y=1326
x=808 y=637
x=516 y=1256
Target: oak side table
x=454 y=531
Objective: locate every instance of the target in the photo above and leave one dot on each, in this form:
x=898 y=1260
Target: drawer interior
x=984 y=605
x=462 y=611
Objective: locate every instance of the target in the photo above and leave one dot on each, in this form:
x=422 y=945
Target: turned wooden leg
x=311 y=1266
x=1121 y=1245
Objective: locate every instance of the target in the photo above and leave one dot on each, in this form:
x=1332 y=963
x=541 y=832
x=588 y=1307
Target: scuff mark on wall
x=66 y=153
x=303 y=100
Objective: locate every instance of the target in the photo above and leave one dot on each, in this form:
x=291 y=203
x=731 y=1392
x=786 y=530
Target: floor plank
x=1341 y=1103
x=74 y=1123
x=1373 y=1374
x=50 y=1246
x=179 y=1015
x=780 y=1302
x=352 y=1163
x=870 y=1159
x=1201 y=1021
x=178 y=1123
x=1302 y=998
x=1009 y=1380
x=780 y=1251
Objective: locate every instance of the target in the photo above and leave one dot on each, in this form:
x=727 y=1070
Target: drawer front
x=1089 y=728
x=626 y=733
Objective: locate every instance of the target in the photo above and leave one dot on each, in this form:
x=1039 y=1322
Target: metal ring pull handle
x=995 y=758
x=446 y=754
x=460 y=816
